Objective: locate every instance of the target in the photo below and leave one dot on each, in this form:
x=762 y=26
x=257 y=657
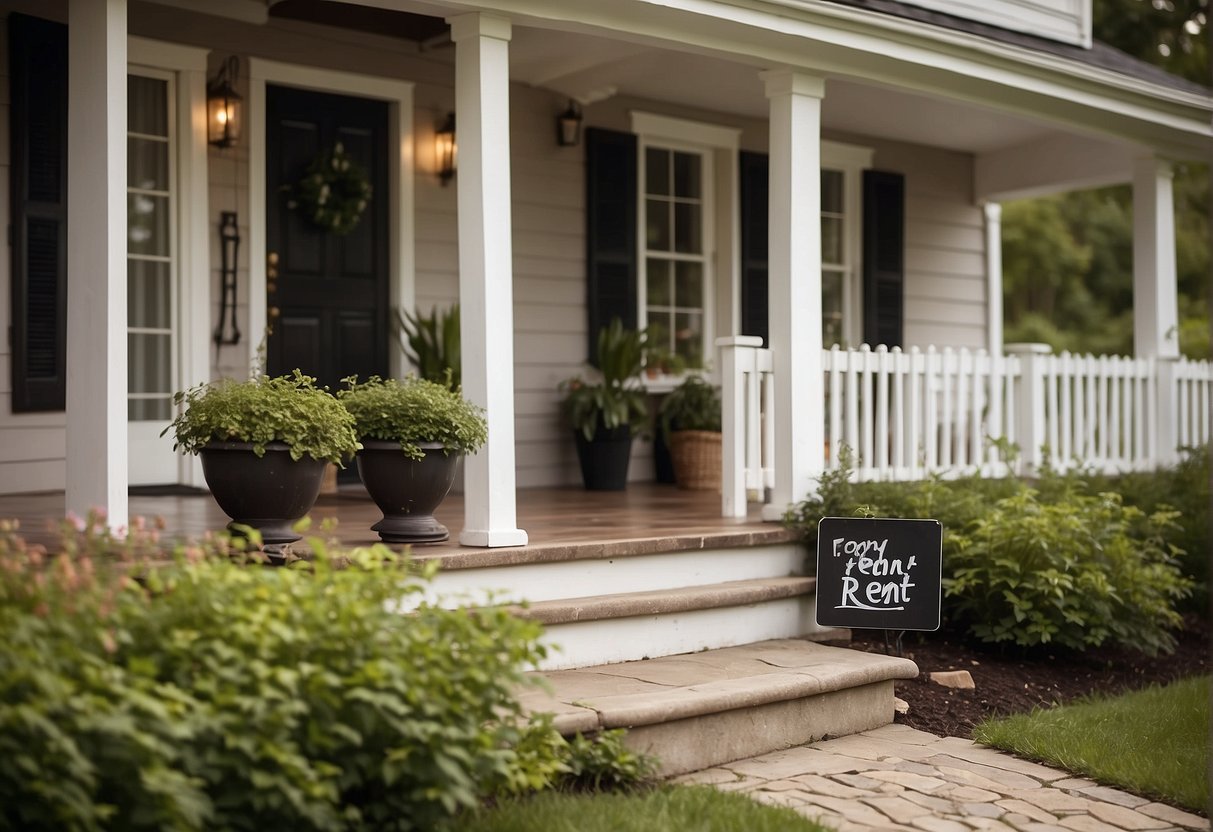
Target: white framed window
x=676 y=241
x=151 y=245
x=680 y=214
x=842 y=168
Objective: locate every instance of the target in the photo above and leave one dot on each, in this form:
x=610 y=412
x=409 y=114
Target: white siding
x=1068 y=21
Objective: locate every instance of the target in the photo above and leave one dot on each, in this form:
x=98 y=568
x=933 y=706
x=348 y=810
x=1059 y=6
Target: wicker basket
x=696 y=458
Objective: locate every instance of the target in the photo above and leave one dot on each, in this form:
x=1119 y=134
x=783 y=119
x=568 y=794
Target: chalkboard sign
x=879 y=573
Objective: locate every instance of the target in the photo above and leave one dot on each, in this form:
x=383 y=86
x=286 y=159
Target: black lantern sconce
x=568 y=126
x=445 y=150
x=223 y=105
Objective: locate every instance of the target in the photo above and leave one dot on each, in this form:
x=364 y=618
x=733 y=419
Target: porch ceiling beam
x=482 y=116
x=96 y=259
x=820 y=37
x=1050 y=165
x=794 y=275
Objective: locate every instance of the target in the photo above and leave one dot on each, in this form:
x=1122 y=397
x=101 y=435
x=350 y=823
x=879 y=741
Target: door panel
x=331 y=291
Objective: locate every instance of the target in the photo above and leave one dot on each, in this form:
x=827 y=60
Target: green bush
x=1075 y=572
x=216 y=694
x=604 y=762
x=1053 y=561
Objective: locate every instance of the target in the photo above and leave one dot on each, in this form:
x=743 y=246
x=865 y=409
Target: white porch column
x=1155 y=302
x=482 y=119
x=96 y=259
x=1155 y=307
x=794 y=275
x=993 y=214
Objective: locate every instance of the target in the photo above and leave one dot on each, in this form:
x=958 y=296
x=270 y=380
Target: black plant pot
x=604 y=459
x=269 y=493
x=407 y=491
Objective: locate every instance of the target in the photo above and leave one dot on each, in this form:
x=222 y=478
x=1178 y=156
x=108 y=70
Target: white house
x=749 y=167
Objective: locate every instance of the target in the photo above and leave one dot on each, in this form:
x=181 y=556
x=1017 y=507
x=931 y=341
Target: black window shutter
x=38 y=134
x=611 y=253
x=883 y=257
x=755 y=206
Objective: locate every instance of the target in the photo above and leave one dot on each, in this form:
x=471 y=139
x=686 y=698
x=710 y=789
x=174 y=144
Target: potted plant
x=412 y=434
x=264 y=445
x=431 y=342
x=606 y=415
x=690 y=421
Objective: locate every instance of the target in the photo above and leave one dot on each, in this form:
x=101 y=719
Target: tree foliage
x=1068 y=259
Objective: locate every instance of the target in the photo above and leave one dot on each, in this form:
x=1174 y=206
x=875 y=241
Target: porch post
x=794 y=275
x=993 y=215
x=96 y=259
x=1155 y=303
x=482 y=118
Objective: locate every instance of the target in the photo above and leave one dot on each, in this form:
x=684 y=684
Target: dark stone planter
x=407 y=491
x=269 y=493
x=604 y=460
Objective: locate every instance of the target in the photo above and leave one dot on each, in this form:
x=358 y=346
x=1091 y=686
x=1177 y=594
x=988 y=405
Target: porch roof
x=1099 y=54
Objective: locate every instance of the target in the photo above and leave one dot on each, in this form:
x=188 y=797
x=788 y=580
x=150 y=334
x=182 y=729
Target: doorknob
x=274 y=312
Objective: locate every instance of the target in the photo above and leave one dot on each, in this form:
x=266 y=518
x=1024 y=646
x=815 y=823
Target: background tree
x=1068 y=259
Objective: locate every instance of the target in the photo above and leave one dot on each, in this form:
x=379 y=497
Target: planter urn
x=604 y=459
x=269 y=493
x=406 y=490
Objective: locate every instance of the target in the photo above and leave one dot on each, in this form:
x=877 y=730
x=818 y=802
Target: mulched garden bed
x=1013 y=681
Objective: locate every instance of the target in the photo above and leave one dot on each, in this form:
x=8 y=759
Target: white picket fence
x=908 y=415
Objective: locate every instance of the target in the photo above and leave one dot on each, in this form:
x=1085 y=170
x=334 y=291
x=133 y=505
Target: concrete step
x=702 y=709
x=624 y=626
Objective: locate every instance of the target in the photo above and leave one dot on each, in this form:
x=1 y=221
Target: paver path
x=897 y=778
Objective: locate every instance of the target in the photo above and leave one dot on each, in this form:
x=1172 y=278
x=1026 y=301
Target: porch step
x=702 y=709
x=625 y=626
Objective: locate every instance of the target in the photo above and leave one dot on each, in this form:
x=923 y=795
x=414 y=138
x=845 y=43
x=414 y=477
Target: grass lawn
x=670 y=809
x=1153 y=741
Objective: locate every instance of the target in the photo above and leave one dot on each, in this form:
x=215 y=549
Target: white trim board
x=399 y=96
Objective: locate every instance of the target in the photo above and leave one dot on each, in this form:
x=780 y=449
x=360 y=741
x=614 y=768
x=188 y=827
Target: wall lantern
x=568 y=126
x=223 y=105
x=445 y=150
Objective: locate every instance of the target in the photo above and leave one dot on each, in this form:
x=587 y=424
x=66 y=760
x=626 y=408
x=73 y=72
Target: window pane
x=688 y=337
x=146 y=105
x=147 y=164
x=831 y=240
x=657 y=224
x=688 y=228
x=149 y=410
x=147 y=219
x=659 y=331
x=658 y=290
x=149 y=363
x=688 y=285
x=831 y=191
x=657 y=171
x=831 y=307
x=688 y=182
x=148 y=295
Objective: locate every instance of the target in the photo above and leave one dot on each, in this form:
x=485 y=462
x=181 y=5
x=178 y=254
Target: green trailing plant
x=692 y=405
x=216 y=694
x=414 y=411
x=617 y=399
x=289 y=409
x=431 y=343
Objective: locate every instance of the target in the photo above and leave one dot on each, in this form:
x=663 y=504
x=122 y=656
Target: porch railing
x=907 y=415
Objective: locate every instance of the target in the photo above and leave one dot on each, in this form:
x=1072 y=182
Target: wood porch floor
x=648 y=516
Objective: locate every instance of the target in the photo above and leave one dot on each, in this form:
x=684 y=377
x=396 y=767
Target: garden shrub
x=1051 y=561
x=603 y=762
x=1077 y=572
x=215 y=694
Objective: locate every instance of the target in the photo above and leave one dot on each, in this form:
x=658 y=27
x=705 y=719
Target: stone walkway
x=897 y=778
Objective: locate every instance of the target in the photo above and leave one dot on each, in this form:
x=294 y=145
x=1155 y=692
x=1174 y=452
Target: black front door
x=327 y=293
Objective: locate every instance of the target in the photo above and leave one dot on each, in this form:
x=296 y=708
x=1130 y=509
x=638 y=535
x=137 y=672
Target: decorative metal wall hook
x=227 y=331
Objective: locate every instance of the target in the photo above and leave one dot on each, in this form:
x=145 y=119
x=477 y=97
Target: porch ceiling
x=589 y=68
